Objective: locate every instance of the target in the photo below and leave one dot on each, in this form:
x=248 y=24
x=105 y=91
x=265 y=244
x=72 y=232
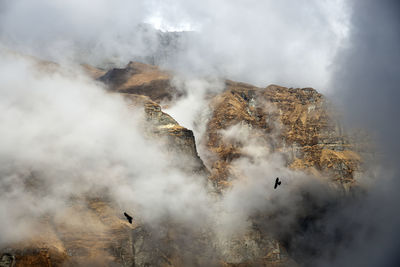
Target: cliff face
x=296 y=122
x=177 y=138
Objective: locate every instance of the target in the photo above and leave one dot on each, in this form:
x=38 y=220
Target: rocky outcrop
x=311 y=133
x=180 y=141
x=295 y=121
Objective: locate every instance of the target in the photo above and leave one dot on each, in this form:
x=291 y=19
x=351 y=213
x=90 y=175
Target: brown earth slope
x=141 y=79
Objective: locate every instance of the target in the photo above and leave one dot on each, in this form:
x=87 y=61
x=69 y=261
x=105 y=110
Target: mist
x=69 y=136
x=366 y=86
x=66 y=138
x=74 y=138
x=286 y=43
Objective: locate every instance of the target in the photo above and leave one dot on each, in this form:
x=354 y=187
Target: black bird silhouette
x=277 y=182
x=128 y=217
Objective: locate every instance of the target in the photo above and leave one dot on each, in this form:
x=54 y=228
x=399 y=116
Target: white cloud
x=261 y=42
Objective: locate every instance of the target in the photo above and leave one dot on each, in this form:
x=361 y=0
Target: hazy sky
x=286 y=42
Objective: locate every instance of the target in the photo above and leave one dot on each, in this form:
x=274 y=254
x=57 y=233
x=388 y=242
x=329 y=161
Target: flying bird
x=129 y=218
x=277 y=182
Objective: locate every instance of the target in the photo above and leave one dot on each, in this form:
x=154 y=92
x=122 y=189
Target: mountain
x=295 y=123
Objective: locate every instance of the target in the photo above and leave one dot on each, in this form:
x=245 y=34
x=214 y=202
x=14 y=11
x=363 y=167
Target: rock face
x=180 y=139
x=294 y=121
